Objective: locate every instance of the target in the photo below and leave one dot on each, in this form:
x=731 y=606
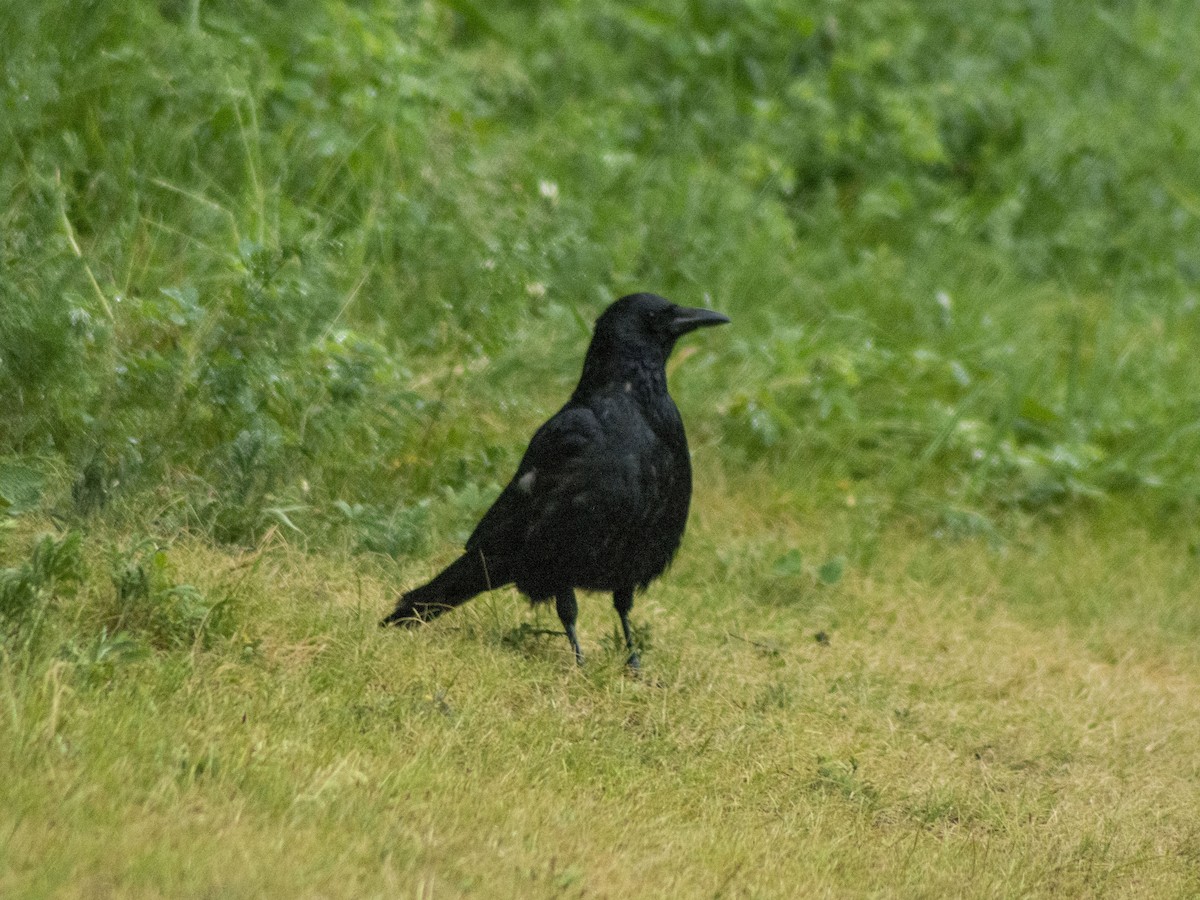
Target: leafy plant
x=30 y=589
x=149 y=603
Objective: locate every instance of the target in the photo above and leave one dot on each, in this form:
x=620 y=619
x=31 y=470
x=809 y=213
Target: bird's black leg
x=564 y=603
x=623 y=601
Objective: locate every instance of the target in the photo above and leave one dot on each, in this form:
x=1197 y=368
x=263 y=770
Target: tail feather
x=467 y=576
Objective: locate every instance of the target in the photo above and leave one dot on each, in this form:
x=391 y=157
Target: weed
x=149 y=602
x=29 y=590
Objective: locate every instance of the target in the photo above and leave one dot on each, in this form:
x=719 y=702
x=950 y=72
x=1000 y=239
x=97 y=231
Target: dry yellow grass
x=975 y=722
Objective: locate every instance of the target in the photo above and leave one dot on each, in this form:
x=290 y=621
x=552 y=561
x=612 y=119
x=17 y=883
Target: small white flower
x=549 y=190
x=945 y=304
x=535 y=289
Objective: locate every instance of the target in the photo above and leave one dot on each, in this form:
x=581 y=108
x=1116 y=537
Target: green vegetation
x=284 y=289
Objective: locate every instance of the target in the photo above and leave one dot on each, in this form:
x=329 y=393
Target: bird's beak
x=689 y=319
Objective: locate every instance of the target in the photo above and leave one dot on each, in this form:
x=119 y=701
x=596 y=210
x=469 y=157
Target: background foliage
x=287 y=261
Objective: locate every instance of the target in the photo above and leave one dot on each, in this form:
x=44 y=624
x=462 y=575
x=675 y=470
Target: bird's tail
x=467 y=576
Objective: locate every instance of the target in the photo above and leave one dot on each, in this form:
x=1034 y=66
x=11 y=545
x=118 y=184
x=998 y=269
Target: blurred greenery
x=309 y=265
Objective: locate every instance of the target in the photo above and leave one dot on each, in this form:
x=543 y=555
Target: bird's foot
x=399 y=621
x=634 y=663
x=403 y=618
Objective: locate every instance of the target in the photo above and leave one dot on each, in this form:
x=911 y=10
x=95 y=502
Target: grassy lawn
x=952 y=720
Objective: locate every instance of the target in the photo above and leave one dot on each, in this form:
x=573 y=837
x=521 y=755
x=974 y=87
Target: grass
x=284 y=291
x=953 y=719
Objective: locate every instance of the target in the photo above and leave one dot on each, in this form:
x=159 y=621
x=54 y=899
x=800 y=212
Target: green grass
x=284 y=290
x=974 y=721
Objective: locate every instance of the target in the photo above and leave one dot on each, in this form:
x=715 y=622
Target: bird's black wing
x=565 y=515
x=566 y=440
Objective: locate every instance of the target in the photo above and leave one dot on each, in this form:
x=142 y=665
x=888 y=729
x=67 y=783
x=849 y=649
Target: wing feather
x=558 y=449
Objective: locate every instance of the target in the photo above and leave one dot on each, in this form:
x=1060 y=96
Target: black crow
x=601 y=497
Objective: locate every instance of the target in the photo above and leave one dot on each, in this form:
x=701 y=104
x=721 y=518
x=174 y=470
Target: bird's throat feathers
x=640 y=371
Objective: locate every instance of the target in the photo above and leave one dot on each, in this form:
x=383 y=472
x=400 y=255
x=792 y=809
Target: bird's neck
x=641 y=377
x=640 y=371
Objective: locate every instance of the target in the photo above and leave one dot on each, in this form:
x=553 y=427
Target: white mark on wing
x=526 y=481
x=629 y=387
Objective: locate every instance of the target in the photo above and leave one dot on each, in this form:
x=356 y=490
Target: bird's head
x=647 y=322
x=634 y=337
